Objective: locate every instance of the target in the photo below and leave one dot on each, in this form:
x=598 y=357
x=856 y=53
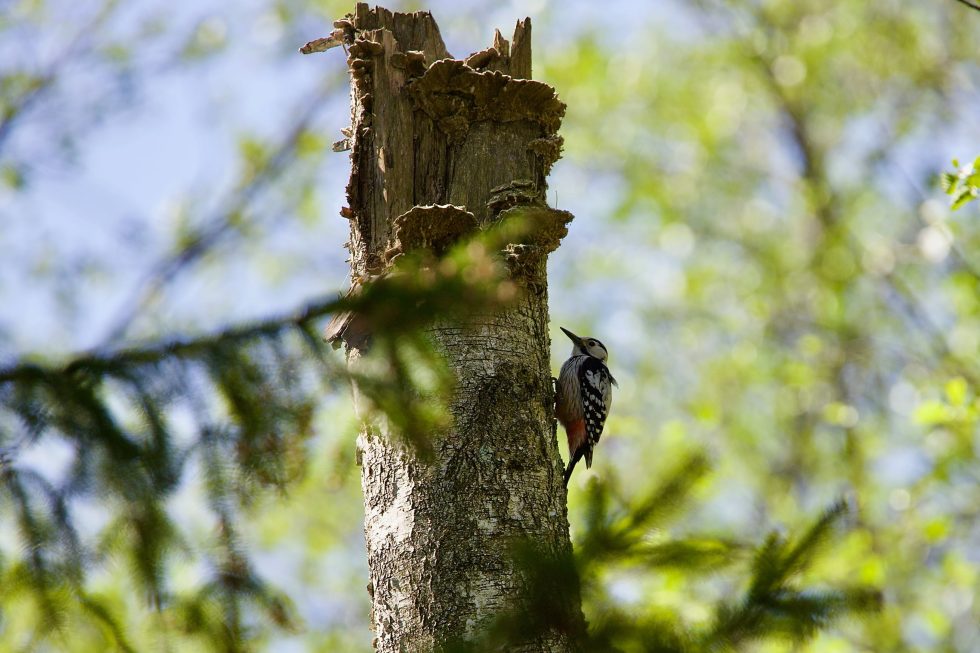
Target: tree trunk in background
x=479 y=135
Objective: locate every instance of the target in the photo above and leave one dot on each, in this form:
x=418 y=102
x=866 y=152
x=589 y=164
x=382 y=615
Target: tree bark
x=429 y=131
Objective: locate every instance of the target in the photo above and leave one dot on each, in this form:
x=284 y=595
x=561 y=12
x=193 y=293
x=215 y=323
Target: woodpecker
x=583 y=398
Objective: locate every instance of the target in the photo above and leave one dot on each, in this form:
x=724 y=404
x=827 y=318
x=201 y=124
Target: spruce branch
x=623 y=531
x=109 y=361
x=773 y=605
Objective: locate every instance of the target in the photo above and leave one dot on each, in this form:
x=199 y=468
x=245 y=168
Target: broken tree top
x=418 y=33
x=491 y=84
x=442 y=148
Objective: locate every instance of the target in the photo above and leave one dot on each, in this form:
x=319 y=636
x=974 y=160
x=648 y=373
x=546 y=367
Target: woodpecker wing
x=596 y=383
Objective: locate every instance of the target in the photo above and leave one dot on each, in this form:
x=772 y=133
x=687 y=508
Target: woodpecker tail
x=571 y=466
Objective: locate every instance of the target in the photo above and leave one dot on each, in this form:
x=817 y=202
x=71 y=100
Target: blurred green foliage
x=760 y=241
x=963 y=183
x=794 y=297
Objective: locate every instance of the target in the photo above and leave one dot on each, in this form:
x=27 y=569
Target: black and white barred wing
x=596 y=383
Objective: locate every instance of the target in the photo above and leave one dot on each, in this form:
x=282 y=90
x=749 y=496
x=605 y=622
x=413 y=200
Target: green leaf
x=310 y=144
x=254 y=153
x=963 y=198
x=932 y=412
x=956 y=391
x=12 y=177
x=949 y=181
x=209 y=37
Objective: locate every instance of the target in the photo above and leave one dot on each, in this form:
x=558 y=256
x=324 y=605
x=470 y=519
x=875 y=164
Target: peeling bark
x=439 y=148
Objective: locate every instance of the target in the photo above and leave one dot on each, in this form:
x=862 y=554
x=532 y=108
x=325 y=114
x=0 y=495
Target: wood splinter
x=335 y=38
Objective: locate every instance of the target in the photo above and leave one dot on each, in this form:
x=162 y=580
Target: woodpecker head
x=586 y=346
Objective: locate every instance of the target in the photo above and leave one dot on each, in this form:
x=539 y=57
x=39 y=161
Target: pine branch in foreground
x=632 y=535
x=233 y=409
x=249 y=389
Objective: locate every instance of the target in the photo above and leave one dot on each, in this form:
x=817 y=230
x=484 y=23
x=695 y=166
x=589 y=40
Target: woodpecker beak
x=571 y=336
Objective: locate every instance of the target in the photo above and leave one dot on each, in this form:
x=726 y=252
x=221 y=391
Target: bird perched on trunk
x=583 y=398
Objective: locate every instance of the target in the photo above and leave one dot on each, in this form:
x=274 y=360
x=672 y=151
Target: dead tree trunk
x=429 y=131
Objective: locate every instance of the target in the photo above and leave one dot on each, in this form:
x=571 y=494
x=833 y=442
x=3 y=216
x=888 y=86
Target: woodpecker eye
x=592 y=343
